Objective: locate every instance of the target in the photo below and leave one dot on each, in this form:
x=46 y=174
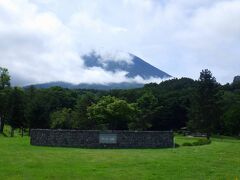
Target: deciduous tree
x=111 y=113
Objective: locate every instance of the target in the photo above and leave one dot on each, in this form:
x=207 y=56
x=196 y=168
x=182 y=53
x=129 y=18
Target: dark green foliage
x=200 y=142
x=146 y=107
x=236 y=83
x=187 y=144
x=231 y=120
x=4 y=106
x=41 y=103
x=111 y=113
x=231 y=116
x=80 y=110
x=4 y=78
x=16 y=118
x=204 y=106
x=205 y=111
x=62 y=119
x=176 y=145
x=173 y=103
x=4 y=96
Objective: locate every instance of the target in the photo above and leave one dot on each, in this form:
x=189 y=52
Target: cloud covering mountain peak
x=42 y=41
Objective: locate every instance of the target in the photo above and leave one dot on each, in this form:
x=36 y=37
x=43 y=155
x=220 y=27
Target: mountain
x=131 y=64
x=109 y=86
x=137 y=66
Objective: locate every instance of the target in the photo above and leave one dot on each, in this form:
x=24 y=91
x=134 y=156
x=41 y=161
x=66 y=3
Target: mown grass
x=219 y=160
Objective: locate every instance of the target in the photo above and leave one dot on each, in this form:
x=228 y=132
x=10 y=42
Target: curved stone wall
x=102 y=139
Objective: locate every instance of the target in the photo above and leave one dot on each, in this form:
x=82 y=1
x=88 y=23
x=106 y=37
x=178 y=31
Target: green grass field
x=20 y=160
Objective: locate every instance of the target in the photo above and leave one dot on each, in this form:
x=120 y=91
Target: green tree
x=205 y=111
x=231 y=113
x=4 y=96
x=30 y=94
x=80 y=110
x=16 y=117
x=173 y=102
x=62 y=119
x=37 y=109
x=146 y=106
x=111 y=113
x=46 y=101
x=231 y=119
x=4 y=78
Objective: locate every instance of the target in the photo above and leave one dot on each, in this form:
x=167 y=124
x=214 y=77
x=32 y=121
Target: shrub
x=200 y=142
x=176 y=145
x=187 y=144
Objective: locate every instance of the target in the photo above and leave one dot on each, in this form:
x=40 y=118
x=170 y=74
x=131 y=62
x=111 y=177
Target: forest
x=203 y=106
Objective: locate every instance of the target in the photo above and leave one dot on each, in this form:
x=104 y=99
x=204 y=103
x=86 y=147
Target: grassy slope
x=219 y=160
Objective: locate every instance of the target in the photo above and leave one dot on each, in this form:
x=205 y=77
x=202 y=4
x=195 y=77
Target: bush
x=176 y=145
x=200 y=142
x=187 y=144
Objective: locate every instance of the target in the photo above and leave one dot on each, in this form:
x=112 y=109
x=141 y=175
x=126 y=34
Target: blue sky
x=43 y=40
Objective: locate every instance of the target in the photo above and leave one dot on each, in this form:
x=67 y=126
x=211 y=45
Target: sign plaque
x=108 y=138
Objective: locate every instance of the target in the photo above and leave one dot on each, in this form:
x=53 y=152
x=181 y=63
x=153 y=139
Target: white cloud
x=43 y=41
x=113 y=55
x=212 y=38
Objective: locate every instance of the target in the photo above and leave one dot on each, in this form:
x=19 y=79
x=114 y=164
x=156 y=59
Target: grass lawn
x=219 y=160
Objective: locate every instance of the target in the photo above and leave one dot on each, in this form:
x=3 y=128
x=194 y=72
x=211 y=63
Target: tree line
x=201 y=105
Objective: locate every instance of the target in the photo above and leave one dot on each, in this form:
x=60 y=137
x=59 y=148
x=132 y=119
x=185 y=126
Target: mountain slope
x=109 y=86
x=137 y=67
x=132 y=65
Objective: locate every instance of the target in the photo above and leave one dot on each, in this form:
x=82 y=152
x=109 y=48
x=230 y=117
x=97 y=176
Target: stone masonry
x=102 y=139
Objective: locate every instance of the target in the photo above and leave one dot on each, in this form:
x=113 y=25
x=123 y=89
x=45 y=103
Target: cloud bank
x=42 y=41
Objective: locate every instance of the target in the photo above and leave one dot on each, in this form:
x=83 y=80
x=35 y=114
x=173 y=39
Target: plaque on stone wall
x=107 y=138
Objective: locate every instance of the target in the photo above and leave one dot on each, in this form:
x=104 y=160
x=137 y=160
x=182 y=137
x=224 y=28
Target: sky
x=43 y=40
